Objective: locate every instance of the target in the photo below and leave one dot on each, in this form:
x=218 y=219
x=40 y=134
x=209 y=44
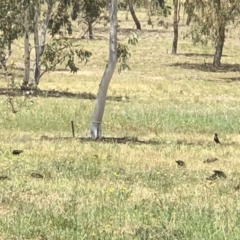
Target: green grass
x=94 y=190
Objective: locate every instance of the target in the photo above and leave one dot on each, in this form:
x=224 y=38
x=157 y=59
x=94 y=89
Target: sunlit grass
x=93 y=190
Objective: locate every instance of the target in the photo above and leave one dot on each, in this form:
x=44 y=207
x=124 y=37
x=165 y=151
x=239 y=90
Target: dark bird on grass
x=210 y=160
x=17 y=152
x=217 y=174
x=4 y=178
x=237 y=187
x=36 y=175
x=216 y=139
x=220 y=173
x=180 y=163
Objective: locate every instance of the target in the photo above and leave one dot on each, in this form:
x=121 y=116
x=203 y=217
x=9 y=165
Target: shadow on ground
x=57 y=94
x=231 y=79
x=122 y=140
x=196 y=55
x=207 y=67
x=135 y=140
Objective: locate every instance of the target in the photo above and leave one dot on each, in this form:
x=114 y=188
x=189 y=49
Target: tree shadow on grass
x=231 y=79
x=120 y=140
x=207 y=67
x=56 y=94
x=133 y=140
x=195 y=54
x=126 y=30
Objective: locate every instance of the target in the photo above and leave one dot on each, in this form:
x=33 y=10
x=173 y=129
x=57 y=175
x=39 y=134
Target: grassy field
x=93 y=190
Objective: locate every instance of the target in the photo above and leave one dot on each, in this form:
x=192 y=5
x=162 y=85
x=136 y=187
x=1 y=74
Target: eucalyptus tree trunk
x=39 y=41
x=135 y=19
x=189 y=9
x=95 y=129
x=219 y=47
x=26 y=49
x=90 y=30
x=221 y=35
x=175 y=27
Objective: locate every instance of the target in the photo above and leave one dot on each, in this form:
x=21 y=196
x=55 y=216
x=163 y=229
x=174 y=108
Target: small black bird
x=237 y=187
x=216 y=139
x=217 y=174
x=36 y=175
x=4 y=178
x=180 y=163
x=17 y=152
x=210 y=160
x=220 y=173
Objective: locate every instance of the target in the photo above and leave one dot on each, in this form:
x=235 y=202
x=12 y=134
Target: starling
x=4 y=178
x=217 y=174
x=216 y=139
x=237 y=187
x=36 y=175
x=17 y=152
x=180 y=163
x=210 y=160
x=220 y=173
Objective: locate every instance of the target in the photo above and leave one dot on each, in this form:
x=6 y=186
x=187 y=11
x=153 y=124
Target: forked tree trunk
x=175 y=27
x=95 y=129
x=133 y=14
x=219 y=47
x=39 y=41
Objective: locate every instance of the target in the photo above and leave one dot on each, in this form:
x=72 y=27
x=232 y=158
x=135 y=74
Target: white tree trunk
x=108 y=73
x=26 y=50
x=39 y=42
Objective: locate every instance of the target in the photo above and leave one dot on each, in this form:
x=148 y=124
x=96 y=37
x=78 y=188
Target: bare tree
x=98 y=112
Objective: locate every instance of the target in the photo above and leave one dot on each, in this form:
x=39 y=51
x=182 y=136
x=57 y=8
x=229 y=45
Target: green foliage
x=123 y=52
x=209 y=17
x=14 y=103
x=122 y=5
x=59 y=19
x=160 y=7
x=9 y=28
x=92 y=9
x=88 y=11
x=62 y=50
x=123 y=55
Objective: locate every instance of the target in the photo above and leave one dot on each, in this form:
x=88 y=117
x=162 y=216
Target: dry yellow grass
x=128 y=191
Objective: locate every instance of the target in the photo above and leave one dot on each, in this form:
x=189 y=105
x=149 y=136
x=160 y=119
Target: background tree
x=189 y=9
x=159 y=8
x=9 y=28
x=133 y=14
x=27 y=17
x=176 y=10
x=210 y=19
x=88 y=12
